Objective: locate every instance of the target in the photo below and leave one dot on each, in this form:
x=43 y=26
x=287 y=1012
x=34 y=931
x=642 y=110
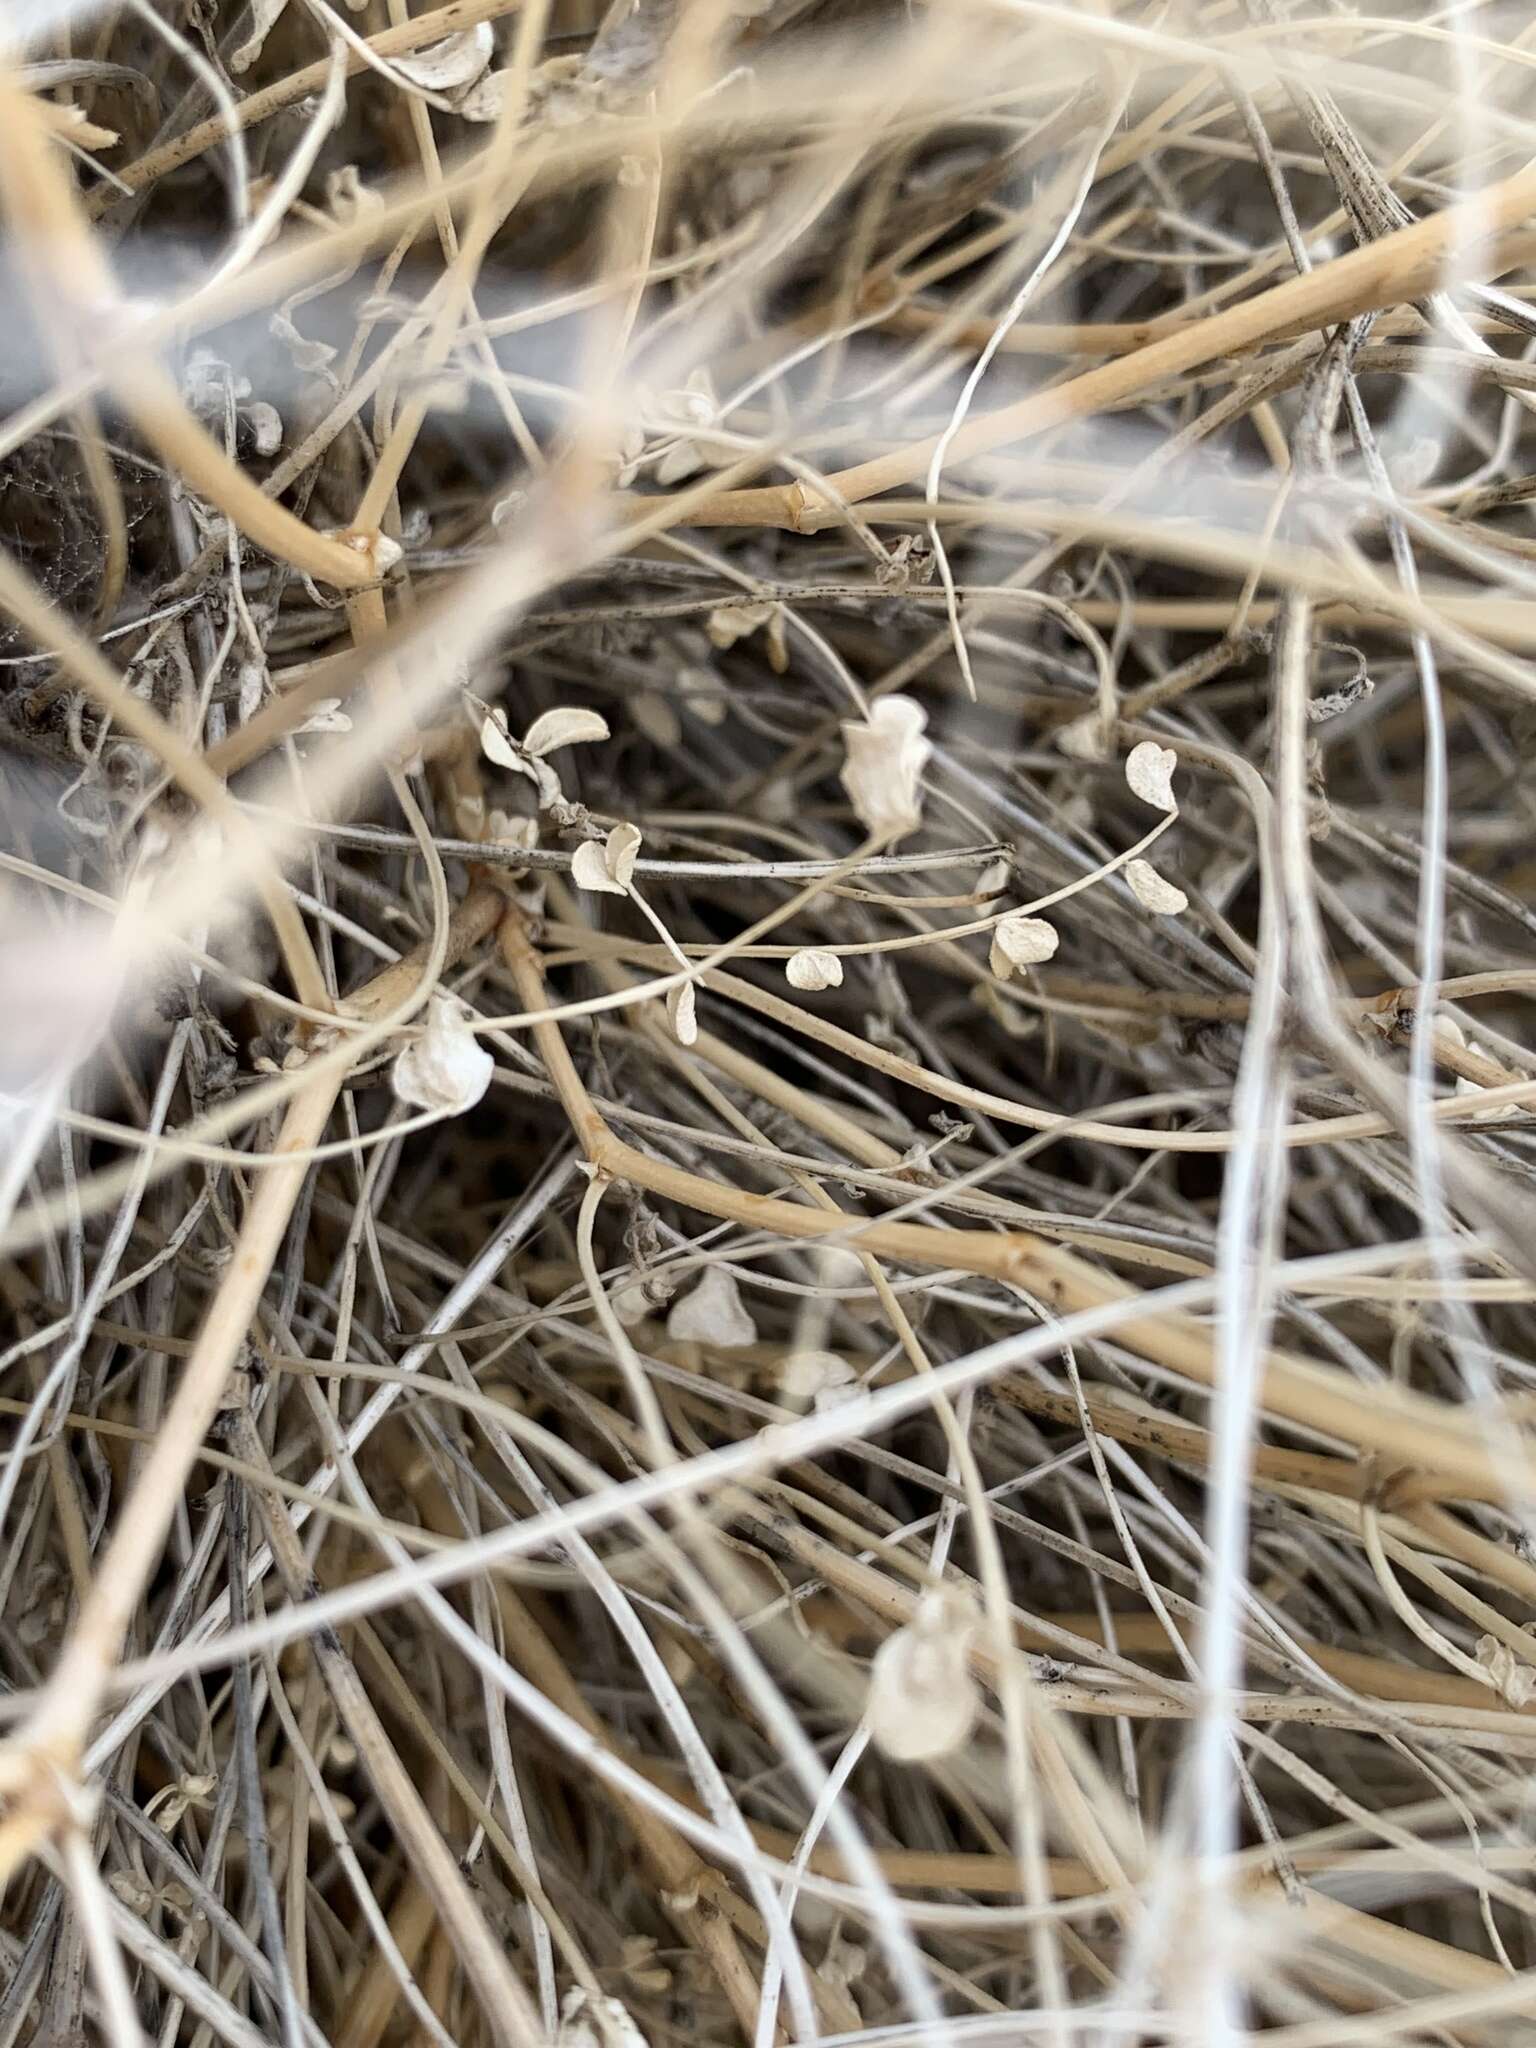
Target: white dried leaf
x=680 y=461
x=1020 y=941
x=307 y=354
x=811 y=1377
x=506 y=830
x=135 y=1892
x=498 y=745
x=446 y=1068
x=641 y=1297
x=883 y=772
x=1149 y=772
x=1512 y=1676
x=1152 y=892
x=326 y=715
x=682 y=1014
x=732 y=622
x=656 y=718
x=483 y=100
x=1084 y=739
x=387 y=553
x=596 y=2023
x=712 y=1313
x=589 y=870
x=702 y=692
x=692 y=406
x=839 y=1268
x=565 y=726
x=993 y=879
x=451 y=65
x=265 y=14
x=266 y=425
x=1499 y=1112
x=923 y=1700
x=348 y=198
x=812 y=969
x=620 y=851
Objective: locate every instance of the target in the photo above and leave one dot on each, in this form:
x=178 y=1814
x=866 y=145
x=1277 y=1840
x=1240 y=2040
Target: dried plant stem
x=1397 y=268
x=396 y=41
x=43 y=1756
x=59 y=250
x=504 y=2002
x=1406 y=1430
x=46 y=1750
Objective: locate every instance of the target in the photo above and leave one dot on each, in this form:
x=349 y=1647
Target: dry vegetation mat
x=767 y=1182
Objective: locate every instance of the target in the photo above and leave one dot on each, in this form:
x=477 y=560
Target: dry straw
x=766 y=1182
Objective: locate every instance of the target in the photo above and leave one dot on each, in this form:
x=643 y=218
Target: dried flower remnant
x=712 y=1313
x=813 y=969
x=923 y=1701
x=1152 y=891
x=445 y=1068
x=883 y=771
x=1021 y=941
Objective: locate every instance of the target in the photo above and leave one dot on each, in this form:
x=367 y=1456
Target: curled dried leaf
x=640 y=1297
x=266 y=425
x=589 y=870
x=498 y=745
x=819 y=1379
x=1511 y=1676
x=1020 y=941
x=656 y=718
x=566 y=726
x=923 y=1700
x=452 y=65
x=1083 y=739
x=712 y=1313
x=264 y=17
x=813 y=969
x=445 y=1068
x=483 y=100
x=599 y=2022
x=1149 y=772
x=883 y=771
x=732 y=622
x=326 y=715
x=621 y=851
x=608 y=866
x=682 y=1014
x=1163 y=898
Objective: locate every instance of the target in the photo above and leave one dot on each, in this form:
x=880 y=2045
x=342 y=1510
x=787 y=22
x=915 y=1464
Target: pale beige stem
x=72 y=281
x=1395 y=270
x=1405 y=1428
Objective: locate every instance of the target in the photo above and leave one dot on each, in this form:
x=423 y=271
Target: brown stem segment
x=1395 y=270
x=1403 y=1428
